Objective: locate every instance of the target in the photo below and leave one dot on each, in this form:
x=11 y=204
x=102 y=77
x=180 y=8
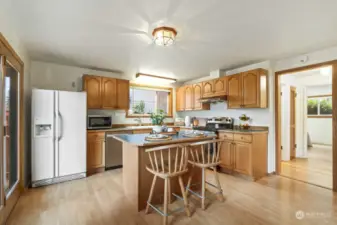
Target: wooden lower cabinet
x=244 y=153
x=95 y=151
x=226 y=154
x=242 y=157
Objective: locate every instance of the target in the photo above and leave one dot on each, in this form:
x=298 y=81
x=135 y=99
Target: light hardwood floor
x=316 y=169
x=99 y=200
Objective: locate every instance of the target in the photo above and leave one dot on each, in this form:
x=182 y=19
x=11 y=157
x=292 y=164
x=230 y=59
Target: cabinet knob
x=241 y=137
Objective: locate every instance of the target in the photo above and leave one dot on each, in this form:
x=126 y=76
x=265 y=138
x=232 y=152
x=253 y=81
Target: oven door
x=99 y=122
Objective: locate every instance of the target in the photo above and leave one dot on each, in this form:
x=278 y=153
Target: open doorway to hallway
x=306 y=126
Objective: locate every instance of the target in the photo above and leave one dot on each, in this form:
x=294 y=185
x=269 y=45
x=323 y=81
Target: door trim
x=293 y=113
x=278 y=157
x=9 y=54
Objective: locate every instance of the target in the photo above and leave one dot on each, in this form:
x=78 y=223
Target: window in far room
x=319 y=106
x=147 y=100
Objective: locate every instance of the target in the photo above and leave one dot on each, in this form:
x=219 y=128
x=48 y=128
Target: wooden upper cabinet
x=255 y=89
x=109 y=93
x=197 y=94
x=188 y=97
x=234 y=91
x=106 y=93
x=123 y=92
x=207 y=88
x=220 y=86
x=248 y=89
x=92 y=85
x=180 y=99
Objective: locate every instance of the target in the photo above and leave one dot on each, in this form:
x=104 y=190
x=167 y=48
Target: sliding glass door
x=10 y=121
x=11 y=128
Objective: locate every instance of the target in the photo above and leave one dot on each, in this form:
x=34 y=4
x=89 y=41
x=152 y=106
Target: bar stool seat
x=205 y=154
x=167 y=162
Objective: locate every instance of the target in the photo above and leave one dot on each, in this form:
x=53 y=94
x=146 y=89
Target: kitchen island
x=137 y=180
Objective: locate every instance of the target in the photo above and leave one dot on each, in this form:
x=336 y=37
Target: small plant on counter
x=244 y=117
x=158 y=118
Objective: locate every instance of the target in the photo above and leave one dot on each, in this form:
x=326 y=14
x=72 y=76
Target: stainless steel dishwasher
x=114 y=151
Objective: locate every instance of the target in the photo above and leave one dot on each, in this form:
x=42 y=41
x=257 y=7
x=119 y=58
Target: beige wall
x=69 y=78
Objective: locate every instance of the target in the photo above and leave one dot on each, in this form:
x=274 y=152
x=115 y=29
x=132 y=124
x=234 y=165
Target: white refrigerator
x=58 y=136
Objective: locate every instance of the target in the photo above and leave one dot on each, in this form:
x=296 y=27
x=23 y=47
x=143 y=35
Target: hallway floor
x=316 y=169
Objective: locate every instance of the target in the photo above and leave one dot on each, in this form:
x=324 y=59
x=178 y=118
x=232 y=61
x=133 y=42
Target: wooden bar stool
x=173 y=165
x=205 y=154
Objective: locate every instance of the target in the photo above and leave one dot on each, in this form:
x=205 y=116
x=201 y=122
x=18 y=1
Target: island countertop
x=139 y=139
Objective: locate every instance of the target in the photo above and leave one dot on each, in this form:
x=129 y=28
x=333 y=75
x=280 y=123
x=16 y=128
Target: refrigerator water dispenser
x=43 y=130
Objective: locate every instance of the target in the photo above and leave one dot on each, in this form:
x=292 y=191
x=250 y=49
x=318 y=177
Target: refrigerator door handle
x=60 y=126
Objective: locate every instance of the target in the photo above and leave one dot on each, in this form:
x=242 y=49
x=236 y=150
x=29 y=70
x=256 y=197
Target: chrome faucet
x=139 y=120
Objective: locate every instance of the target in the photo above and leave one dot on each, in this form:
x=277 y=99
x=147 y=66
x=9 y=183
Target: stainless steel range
x=217 y=123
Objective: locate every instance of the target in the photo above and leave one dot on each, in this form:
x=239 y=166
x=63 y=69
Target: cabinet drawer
x=226 y=136
x=243 y=137
x=96 y=136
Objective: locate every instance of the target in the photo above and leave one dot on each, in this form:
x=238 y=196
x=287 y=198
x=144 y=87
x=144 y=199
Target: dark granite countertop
x=250 y=130
x=139 y=139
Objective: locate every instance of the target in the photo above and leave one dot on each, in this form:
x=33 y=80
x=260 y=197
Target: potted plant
x=244 y=118
x=157 y=120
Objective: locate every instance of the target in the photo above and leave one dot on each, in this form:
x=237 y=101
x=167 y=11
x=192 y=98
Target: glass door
x=10 y=123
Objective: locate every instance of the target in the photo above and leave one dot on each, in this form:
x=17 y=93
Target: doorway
x=305 y=118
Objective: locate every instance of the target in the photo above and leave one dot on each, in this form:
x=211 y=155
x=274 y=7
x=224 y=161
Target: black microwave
x=99 y=122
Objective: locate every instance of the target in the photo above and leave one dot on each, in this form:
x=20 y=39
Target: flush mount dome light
x=164 y=36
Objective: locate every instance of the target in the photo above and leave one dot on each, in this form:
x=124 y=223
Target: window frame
x=170 y=101
x=319 y=115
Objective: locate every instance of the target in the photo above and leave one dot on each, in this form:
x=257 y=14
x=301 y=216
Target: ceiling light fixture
x=151 y=79
x=164 y=36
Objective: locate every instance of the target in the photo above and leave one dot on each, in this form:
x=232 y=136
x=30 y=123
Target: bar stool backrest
x=205 y=153
x=167 y=161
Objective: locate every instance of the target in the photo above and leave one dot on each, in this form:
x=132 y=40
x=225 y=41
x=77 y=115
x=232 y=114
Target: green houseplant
x=139 y=108
x=158 y=118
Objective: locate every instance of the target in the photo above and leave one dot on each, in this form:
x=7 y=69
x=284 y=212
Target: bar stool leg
x=189 y=181
x=187 y=210
x=219 y=194
x=165 y=206
x=169 y=191
x=151 y=194
x=203 y=189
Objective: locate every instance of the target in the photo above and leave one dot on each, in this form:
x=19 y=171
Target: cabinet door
x=207 y=88
x=123 y=92
x=197 y=94
x=226 y=155
x=220 y=86
x=92 y=85
x=95 y=154
x=234 y=91
x=251 y=89
x=109 y=93
x=243 y=158
x=188 y=97
x=180 y=99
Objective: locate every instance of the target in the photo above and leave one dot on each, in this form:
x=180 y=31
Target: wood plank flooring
x=100 y=200
x=316 y=169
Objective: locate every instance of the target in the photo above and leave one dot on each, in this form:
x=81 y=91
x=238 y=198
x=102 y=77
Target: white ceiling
x=314 y=77
x=212 y=34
